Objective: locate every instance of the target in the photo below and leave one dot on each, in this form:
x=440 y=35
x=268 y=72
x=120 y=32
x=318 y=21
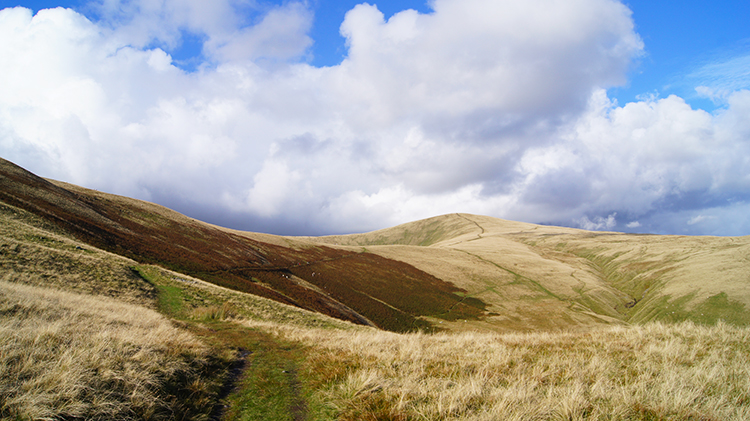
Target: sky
x=323 y=117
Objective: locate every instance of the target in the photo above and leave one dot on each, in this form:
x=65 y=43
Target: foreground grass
x=72 y=356
x=68 y=356
x=653 y=372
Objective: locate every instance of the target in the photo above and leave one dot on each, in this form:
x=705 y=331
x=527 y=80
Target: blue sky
x=680 y=38
x=319 y=116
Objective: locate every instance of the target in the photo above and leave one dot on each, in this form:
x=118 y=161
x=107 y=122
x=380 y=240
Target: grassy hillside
x=90 y=345
x=537 y=323
x=453 y=272
x=350 y=285
x=538 y=277
x=88 y=334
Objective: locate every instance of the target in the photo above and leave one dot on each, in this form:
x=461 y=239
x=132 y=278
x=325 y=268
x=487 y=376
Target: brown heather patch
x=392 y=293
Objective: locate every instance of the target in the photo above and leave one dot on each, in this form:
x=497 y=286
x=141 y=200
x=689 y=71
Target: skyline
x=274 y=118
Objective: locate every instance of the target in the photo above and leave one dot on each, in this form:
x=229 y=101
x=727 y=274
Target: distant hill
x=534 y=276
x=453 y=272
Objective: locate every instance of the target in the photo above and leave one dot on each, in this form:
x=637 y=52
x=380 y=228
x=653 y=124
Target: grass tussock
x=71 y=356
x=653 y=372
x=215 y=312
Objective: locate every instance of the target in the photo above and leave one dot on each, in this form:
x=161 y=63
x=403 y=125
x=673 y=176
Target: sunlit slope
x=534 y=276
x=425 y=232
x=668 y=277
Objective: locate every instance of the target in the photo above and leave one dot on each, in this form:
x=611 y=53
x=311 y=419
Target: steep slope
x=348 y=284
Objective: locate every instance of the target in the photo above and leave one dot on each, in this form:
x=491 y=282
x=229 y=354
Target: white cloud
x=280 y=35
x=273 y=186
x=495 y=67
x=229 y=27
x=599 y=223
x=493 y=107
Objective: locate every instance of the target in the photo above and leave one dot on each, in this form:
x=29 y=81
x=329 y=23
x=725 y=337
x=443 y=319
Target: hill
x=113 y=308
x=364 y=288
x=449 y=272
x=541 y=277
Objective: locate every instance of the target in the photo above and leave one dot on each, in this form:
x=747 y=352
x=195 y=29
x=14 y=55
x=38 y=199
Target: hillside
x=452 y=272
x=534 y=276
x=113 y=308
x=364 y=288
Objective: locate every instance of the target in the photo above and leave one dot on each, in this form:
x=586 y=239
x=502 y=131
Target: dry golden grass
x=74 y=356
x=33 y=253
x=540 y=277
x=652 y=372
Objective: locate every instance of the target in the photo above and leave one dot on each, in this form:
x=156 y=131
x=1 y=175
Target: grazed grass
x=271 y=385
x=652 y=372
x=271 y=388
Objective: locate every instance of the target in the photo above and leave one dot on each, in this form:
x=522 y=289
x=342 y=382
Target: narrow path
x=230 y=384
x=481 y=228
x=298 y=406
x=263 y=383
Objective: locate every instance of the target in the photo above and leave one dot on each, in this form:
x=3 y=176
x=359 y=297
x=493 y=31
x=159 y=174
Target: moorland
x=115 y=308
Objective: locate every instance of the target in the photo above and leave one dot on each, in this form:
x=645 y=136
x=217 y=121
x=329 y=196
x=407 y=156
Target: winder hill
x=545 y=277
x=451 y=272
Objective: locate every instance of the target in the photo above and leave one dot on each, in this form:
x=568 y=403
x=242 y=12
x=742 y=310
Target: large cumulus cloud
x=492 y=107
x=657 y=165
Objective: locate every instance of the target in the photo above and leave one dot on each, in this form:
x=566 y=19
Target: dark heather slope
x=359 y=287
